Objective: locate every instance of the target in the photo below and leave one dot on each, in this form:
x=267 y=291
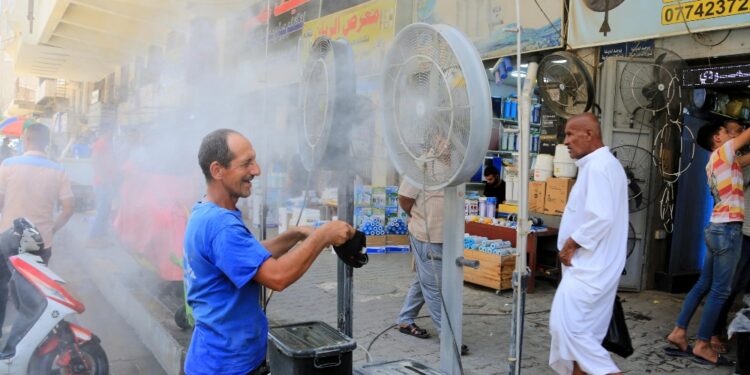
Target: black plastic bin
x=403 y=367
x=309 y=348
x=743 y=353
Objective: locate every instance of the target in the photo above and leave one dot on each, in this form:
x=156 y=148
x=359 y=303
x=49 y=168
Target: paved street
x=380 y=288
x=126 y=353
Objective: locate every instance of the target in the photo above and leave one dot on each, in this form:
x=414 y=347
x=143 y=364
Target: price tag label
x=689 y=11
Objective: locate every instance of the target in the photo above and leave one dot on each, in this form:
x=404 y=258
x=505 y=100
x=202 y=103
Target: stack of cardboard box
x=550 y=197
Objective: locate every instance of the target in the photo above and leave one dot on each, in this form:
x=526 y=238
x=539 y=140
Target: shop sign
x=642 y=48
x=329 y=7
x=713 y=76
x=680 y=11
x=485 y=23
x=646 y=19
x=289 y=16
x=369 y=28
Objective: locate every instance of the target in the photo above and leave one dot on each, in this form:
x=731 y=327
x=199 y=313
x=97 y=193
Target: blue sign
x=642 y=48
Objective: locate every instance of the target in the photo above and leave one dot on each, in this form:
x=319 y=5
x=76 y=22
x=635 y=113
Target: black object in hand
x=353 y=252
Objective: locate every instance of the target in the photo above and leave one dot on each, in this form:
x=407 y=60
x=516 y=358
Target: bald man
x=592 y=242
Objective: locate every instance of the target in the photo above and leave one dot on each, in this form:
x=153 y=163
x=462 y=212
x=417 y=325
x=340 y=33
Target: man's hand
x=567 y=252
x=336 y=232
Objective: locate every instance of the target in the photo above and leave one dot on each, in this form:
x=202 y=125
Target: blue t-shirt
x=221 y=258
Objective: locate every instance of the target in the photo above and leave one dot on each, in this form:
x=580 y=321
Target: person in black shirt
x=495 y=186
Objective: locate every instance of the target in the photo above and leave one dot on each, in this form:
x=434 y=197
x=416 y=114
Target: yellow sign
x=689 y=11
x=367 y=27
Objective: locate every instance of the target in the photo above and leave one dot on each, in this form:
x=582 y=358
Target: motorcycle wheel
x=92 y=352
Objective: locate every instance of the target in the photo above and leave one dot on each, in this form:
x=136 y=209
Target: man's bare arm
x=282 y=243
x=277 y=274
x=65 y=214
x=406 y=203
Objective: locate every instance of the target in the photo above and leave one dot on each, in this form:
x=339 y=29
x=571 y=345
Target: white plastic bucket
x=564 y=165
x=543 y=169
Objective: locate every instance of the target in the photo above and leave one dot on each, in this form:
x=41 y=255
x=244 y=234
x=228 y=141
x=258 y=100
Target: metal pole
x=264 y=180
x=345 y=273
x=451 y=326
x=520 y=275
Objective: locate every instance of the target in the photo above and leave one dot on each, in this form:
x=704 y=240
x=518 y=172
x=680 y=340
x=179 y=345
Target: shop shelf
x=512 y=121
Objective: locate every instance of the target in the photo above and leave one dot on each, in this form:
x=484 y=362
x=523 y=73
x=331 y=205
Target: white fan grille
x=429 y=106
x=318 y=83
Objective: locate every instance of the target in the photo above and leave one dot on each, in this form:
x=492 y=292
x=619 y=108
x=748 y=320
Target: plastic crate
x=403 y=366
x=309 y=348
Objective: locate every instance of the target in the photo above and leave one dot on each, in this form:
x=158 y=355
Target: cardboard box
x=375 y=241
x=397 y=240
x=507 y=208
x=537 y=195
x=556 y=195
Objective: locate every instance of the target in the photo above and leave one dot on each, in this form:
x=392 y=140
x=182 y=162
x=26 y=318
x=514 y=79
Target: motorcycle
x=41 y=341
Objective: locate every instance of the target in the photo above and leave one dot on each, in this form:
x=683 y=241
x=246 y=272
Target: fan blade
x=657 y=71
x=637 y=193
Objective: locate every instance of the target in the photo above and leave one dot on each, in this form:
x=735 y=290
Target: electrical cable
x=548 y=19
x=369 y=346
x=296 y=224
x=680 y=13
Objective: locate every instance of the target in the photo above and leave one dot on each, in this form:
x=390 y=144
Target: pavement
x=379 y=290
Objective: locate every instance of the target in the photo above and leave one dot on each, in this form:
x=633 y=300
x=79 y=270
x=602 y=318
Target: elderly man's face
x=578 y=139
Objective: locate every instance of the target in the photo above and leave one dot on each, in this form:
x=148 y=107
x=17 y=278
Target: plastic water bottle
x=482 y=206
x=491 y=206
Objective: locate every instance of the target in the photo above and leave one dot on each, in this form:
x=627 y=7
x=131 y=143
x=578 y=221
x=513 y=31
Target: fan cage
x=436 y=106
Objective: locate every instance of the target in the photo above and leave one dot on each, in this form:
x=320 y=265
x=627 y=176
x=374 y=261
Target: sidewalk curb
x=149 y=328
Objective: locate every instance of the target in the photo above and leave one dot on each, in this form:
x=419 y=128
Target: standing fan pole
x=345 y=273
x=520 y=275
x=451 y=328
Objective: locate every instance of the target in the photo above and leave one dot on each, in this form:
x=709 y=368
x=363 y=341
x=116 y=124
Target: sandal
x=414 y=330
x=720 y=361
x=719 y=346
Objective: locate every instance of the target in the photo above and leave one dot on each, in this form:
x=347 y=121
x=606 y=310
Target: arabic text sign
x=712 y=76
x=368 y=27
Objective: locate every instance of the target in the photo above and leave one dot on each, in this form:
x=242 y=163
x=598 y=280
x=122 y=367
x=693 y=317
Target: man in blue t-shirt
x=225 y=265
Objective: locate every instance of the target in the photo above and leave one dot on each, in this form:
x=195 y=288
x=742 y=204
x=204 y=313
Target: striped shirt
x=725 y=181
x=433 y=201
x=30 y=186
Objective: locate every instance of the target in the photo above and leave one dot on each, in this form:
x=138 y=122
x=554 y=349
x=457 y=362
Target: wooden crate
x=495 y=271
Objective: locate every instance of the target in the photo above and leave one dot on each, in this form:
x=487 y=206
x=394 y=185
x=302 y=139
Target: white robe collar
x=580 y=162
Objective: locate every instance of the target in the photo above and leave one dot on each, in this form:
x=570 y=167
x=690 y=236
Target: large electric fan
x=636 y=161
x=652 y=86
x=438 y=121
x=327 y=100
x=327 y=89
x=565 y=84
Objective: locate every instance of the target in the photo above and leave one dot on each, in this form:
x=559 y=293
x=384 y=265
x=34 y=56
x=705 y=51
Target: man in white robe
x=592 y=242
